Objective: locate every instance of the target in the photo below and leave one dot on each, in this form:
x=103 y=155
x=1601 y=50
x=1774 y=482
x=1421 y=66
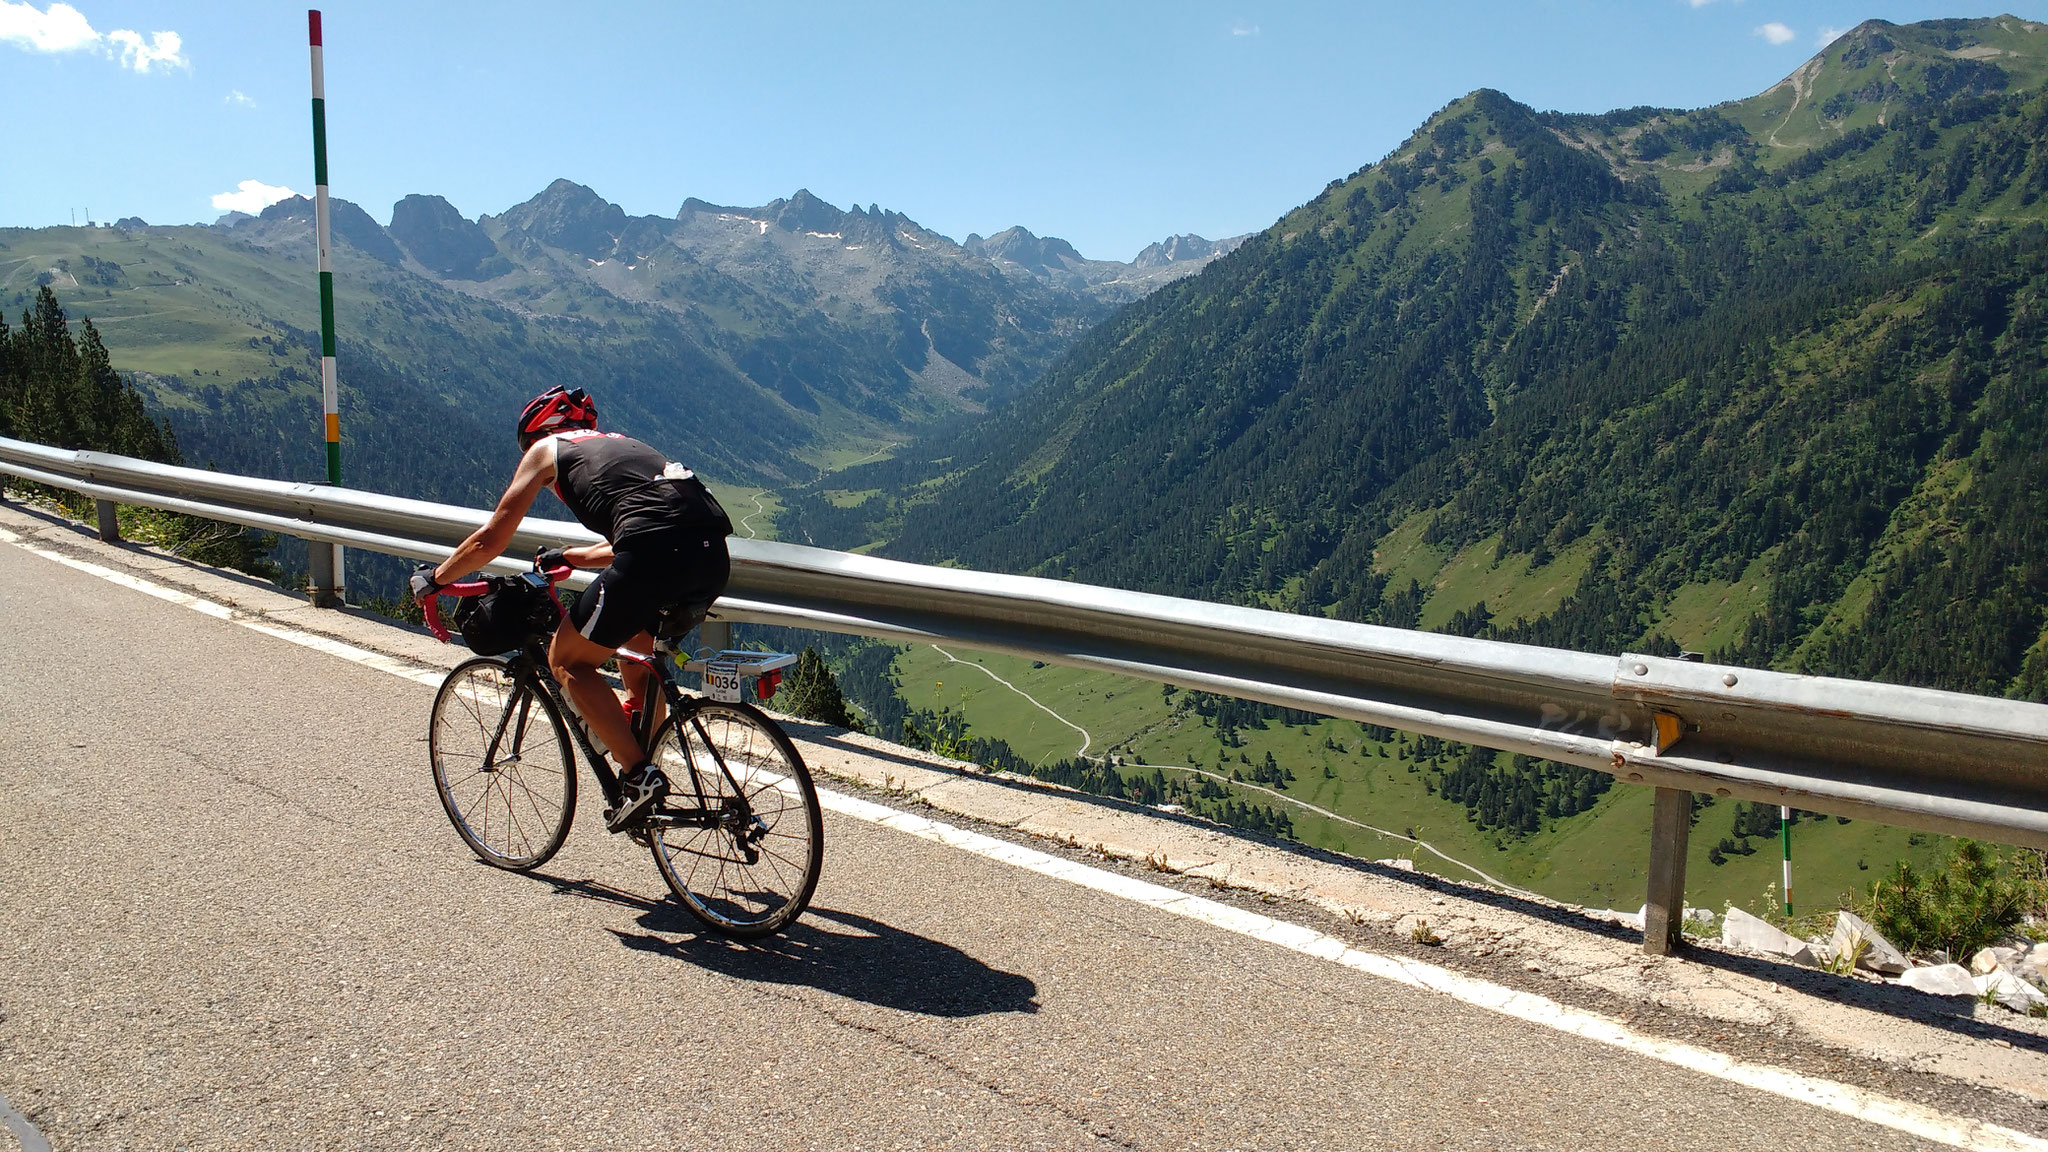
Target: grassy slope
x=1595 y=859
x=183 y=304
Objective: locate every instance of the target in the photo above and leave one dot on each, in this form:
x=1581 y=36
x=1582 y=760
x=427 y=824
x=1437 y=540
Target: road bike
x=739 y=839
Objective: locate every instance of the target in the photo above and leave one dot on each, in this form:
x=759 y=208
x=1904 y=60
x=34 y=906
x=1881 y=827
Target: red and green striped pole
x=327 y=591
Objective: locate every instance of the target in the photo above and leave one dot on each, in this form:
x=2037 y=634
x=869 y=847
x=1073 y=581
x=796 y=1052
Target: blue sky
x=1111 y=123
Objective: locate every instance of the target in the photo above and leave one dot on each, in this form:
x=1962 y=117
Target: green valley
x=1761 y=381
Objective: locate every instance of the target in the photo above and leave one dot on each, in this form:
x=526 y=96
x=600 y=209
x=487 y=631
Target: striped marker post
x=325 y=572
x=1785 y=842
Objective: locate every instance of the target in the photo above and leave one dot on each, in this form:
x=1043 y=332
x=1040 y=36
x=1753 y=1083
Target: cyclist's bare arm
x=597 y=555
x=536 y=471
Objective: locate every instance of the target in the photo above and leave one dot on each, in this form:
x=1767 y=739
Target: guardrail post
x=715 y=633
x=324 y=574
x=110 y=528
x=1664 y=911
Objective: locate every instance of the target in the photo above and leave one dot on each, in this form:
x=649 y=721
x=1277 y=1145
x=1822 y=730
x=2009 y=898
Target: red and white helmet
x=552 y=411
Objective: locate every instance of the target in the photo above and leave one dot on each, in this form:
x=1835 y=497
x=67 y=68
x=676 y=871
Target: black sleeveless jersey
x=620 y=488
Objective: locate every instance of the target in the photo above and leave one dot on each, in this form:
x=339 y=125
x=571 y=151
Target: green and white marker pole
x=1785 y=843
x=324 y=577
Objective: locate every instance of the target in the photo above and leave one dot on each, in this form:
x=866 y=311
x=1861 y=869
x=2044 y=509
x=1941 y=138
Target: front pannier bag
x=516 y=609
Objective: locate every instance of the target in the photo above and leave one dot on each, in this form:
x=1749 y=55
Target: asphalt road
x=233 y=916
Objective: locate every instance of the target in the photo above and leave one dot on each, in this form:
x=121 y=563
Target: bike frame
x=530 y=671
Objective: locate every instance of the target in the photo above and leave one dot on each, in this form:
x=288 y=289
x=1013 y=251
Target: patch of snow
x=595 y=263
x=825 y=235
x=855 y=247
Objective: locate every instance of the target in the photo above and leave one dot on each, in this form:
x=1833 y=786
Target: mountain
x=758 y=340
x=445 y=243
x=1051 y=260
x=1761 y=379
x=1188 y=250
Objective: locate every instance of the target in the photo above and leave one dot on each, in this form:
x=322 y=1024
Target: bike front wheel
x=502 y=764
x=740 y=839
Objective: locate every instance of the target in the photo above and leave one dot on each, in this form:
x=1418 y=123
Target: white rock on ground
x=1989 y=960
x=1941 y=980
x=1625 y=919
x=2038 y=955
x=2008 y=989
x=1741 y=930
x=1877 y=955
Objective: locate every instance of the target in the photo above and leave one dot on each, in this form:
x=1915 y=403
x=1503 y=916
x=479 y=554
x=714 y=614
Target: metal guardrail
x=1942 y=761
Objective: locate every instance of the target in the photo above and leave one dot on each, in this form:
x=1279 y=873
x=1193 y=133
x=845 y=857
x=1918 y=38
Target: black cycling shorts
x=649 y=573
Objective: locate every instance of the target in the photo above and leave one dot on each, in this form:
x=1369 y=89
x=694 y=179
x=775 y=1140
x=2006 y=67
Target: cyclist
x=664 y=546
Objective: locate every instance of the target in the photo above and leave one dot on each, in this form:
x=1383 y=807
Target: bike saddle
x=675 y=623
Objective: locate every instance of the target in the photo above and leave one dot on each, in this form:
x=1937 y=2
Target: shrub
x=1963 y=906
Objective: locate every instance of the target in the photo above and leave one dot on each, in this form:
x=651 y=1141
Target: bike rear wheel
x=740 y=840
x=502 y=764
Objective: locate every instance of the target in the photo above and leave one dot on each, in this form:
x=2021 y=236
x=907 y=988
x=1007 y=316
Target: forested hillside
x=1762 y=380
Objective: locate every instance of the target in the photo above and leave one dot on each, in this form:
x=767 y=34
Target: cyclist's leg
x=613 y=610
x=640 y=693
x=575 y=661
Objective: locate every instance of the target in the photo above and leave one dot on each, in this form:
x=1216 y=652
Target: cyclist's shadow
x=858 y=958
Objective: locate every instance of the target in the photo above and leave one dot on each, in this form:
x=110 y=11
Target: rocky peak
x=431 y=230
x=350 y=223
x=571 y=217
x=1186 y=246
x=804 y=212
x=1017 y=245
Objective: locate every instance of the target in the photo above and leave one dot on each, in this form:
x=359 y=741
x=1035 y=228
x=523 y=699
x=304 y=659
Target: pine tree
x=813 y=693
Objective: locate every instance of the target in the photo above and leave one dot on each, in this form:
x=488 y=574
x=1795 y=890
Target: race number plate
x=722 y=683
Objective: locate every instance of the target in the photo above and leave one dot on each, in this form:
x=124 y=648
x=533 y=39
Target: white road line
x=1086 y=739
x=430 y=677
x=24 y=1132
x=1843 y=1099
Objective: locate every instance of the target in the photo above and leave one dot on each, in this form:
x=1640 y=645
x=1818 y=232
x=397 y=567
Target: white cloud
x=62 y=28
x=162 y=48
x=1776 y=33
x=1243 y=29
x=239 y=98
x=1828 y=36
x=251 y=196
